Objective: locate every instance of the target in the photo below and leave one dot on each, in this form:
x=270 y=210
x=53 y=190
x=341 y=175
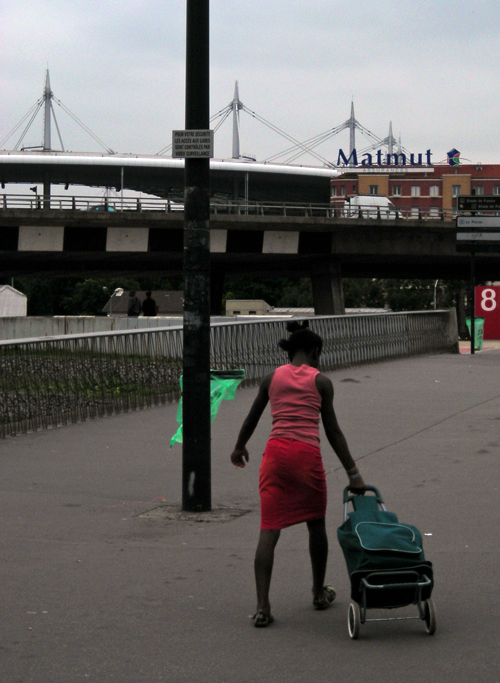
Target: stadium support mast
x=47 y=98
x=236 y=105
x=390 y=140
x=351 y=124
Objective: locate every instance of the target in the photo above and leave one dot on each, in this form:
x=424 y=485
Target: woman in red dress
x=292 y=482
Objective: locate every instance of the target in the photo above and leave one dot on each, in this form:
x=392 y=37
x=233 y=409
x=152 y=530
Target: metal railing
x=370 y=211
x=240 y=208
x=91 y=204
x=118 y=204
x=55 y=381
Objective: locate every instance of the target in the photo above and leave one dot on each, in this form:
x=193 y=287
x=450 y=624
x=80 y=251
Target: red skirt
x=292 y=484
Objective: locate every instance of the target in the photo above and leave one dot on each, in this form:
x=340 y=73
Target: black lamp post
x=196 y=467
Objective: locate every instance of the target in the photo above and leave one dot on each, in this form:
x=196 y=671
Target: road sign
x=191 y=144
x=479 y=203
x=485 y=242
x=480 y=222
x=478 y=236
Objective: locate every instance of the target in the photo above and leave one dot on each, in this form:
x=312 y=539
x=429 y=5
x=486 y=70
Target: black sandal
x=261 y=619
x=326 y=599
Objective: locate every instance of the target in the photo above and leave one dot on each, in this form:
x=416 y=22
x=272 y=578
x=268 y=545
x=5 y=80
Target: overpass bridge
x=286 y=239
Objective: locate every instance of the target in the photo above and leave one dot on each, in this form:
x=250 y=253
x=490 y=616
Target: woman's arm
x=240 y=453
x=335 y=435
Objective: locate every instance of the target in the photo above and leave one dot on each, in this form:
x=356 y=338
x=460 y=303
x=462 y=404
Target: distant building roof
x=169 y=303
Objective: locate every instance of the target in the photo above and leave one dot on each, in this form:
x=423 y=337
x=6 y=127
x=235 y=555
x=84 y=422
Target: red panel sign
x=488 y=307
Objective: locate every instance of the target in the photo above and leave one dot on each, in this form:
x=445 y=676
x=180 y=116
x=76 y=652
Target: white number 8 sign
x=488 y=300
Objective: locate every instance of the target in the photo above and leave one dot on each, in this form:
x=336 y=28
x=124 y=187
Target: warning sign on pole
x=188 y=144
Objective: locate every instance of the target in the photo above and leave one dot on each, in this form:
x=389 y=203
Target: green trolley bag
x=385 y=558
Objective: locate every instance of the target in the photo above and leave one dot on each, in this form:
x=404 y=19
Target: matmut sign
x=380 y=158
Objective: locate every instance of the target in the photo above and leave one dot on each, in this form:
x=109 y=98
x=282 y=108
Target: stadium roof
x=164 y=176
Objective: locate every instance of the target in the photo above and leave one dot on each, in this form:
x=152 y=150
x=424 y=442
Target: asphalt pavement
x=104 y=580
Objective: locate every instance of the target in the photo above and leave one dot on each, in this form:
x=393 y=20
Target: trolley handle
x=368 y=487
x=350 y=497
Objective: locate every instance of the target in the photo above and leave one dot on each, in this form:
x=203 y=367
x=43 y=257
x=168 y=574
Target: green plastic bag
x=223 y=385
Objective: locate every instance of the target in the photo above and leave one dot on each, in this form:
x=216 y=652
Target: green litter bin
x=478 y=332
x=223 y=385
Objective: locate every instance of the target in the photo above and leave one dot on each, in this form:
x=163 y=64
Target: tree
x=363 y=293
x=89 y=296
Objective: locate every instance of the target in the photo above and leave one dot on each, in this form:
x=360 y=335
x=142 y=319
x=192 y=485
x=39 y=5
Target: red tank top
x=295 y=404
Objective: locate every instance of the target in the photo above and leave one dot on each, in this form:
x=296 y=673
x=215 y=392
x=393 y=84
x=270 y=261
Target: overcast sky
x=432 y=68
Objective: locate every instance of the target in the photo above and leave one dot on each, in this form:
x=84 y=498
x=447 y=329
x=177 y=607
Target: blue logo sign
x=454 y=157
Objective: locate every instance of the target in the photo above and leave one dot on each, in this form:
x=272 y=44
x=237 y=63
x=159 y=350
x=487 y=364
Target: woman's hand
x=357 y=486
x=239 y=456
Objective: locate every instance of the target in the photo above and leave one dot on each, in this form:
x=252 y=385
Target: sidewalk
x=488 y=345
x=103 y=580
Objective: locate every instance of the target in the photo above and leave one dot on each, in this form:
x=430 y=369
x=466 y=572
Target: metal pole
x=196 y=469
x=122 y=173
x=472 y=300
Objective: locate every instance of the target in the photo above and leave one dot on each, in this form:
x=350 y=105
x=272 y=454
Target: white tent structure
x=12 y=302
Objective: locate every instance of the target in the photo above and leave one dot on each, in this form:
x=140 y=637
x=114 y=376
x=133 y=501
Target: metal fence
x=336 y=209
x=55 y=381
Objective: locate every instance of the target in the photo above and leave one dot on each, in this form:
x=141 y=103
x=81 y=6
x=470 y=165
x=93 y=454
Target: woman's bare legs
x=318 y=550
x=264 y=559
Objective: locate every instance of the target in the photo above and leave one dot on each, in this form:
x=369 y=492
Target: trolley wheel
x=430 y=616
x=353 y=620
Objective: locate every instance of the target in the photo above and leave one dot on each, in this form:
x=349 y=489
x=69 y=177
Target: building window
x=342 y=190
x=396 y=190
x=456 y=190
x=252 y=312
x=496 y=189
x=373 y=189
x=479 y=190
x=354 y=188
x=434 y=211
x=434 y=191
x=415 y=212
x=415 y=190
x=334 y=191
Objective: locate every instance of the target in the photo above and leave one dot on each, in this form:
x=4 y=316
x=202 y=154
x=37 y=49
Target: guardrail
x=241 y=208
x=56 y=381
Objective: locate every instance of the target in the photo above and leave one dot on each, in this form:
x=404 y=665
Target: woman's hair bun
x=284 y=344
x=296 y=325
x=301 y=338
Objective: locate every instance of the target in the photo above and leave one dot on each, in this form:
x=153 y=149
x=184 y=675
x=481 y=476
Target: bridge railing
x=49 y=382
x=241 y=208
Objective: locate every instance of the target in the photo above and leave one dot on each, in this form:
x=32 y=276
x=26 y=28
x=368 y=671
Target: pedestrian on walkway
x=149 y=306
x=133 y=305
x=292 y=483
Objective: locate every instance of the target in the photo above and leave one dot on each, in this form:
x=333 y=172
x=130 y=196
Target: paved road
x=100 y=581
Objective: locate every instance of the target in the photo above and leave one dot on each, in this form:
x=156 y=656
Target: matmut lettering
x=380 y=159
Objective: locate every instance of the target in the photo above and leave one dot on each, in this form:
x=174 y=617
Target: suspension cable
x=28 y=125
x=36 y=106
x=311 y=143
x=82 y=125
x=286 y=136
x=57 y=126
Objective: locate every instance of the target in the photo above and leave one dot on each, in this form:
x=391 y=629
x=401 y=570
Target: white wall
x=54 y=326
x=12 y=302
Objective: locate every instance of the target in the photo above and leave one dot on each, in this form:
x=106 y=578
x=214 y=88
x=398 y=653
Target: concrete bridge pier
x=328 y=296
